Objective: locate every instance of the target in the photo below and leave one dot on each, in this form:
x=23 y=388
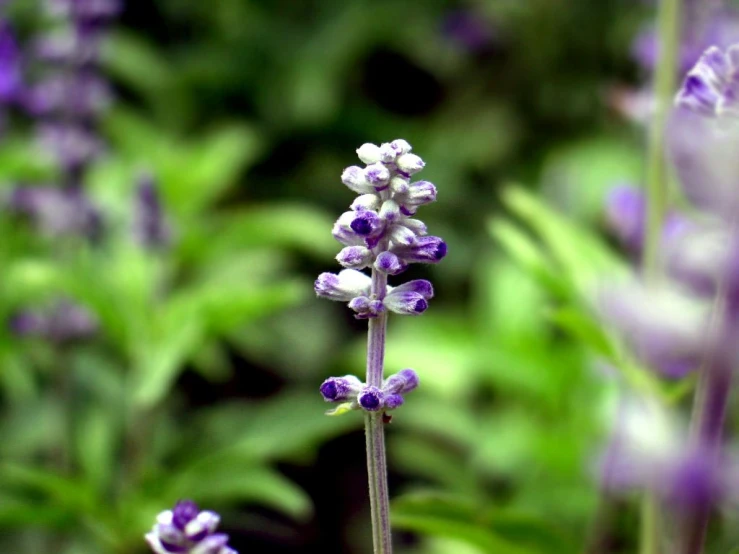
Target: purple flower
x=355 y=257
x=468 y=29
x=371 y=399
x=626 y=217
x=57 y=211
x=665 y=328
x=62 y=323
x=348 y=284
x=710 y=88
x=150 y=227
x=339 y=389
x=187 y=530
x=11 y=82
x=389 y=263
x=428 y=250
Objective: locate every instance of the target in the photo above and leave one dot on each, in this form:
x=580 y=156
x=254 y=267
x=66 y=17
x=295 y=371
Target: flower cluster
x=379 y=232
x=712 y=86
x=64 y=322
x=352 y=394
x=187 y=530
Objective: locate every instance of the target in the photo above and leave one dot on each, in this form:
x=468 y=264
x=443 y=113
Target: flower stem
x=709 y=409
x=374 y=427
x=668 y=22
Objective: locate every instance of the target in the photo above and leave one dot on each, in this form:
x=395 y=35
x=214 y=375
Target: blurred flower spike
x=187 y=530
x=351 y=394
x=649 y=450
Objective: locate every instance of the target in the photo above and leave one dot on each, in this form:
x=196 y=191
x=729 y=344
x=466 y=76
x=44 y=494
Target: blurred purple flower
x=468 y=29
x=57 y=211
x=150 y=229
x=187 y=530
x=11 y=83
x=665 y=328
x=64 y=322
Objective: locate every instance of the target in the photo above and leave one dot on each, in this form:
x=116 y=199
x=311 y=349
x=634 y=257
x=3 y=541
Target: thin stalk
x=711 y=403
x=374 y=427
x=668 y=22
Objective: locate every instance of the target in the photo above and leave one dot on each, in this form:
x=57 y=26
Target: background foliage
x=202 y=380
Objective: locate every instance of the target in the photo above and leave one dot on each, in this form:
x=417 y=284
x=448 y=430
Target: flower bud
x=369 y=153
x=406 y=303
x=429 y=250
x=339 y=389
x=400 y=146
x=393 y=401
x=387 y=153
x=354 y=178
x=371 y=398
x=401 y=235
x=348 y=284
x=355 y=257
x=390 y=211
x=419 y=286
x=416 y=225
x=399 y=185
x=343 y=232
x=389 y=263
x=402 y=382
x=377 y=175
x=366 y=308
x=409 y=164
x=367 y=223
x=366 y=202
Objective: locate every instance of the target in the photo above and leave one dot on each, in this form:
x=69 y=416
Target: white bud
x=409 y=163
x=400 y=146
x=399 y=185
x=390 y=211
x=366 y=202
x=401 y=235
x=369 y=153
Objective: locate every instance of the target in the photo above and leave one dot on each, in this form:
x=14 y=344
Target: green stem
x=374 y=427
x=668 y=22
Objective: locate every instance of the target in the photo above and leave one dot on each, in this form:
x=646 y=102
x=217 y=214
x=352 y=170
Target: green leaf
x=436 y=515
x=583 y=257
x=586 y=330
x=222 y=480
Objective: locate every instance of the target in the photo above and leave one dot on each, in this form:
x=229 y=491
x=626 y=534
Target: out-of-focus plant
x=98 y=326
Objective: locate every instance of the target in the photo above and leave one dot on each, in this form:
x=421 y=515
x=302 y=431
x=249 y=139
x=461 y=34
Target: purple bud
x=390 y=211
x=400 y=235
x=371 y=398
x=402 y=382
x=419 y=193
x=343 y=232
x=183 y=513
x=355 y=257
x=366 y=223
x=393 y=401
x=389 y=263
x=150 y=227
x=10 y=68
x=625 y=213
x=338 y=389
x=366 y=308
x=428 y=250
x=348 y=284
x=406 y=303
x=378 y=176
x=418 y=286
x=354 y=178
x=203 y=525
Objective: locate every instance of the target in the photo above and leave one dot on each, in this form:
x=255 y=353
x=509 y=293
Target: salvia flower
x=352 y=394
x=63 y=323
x=150 y=227
x=187 y=530
x=712 y=85
x=665 y=327
x=378 y=231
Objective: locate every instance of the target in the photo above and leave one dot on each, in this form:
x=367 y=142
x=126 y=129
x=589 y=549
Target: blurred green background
x=202 y=379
